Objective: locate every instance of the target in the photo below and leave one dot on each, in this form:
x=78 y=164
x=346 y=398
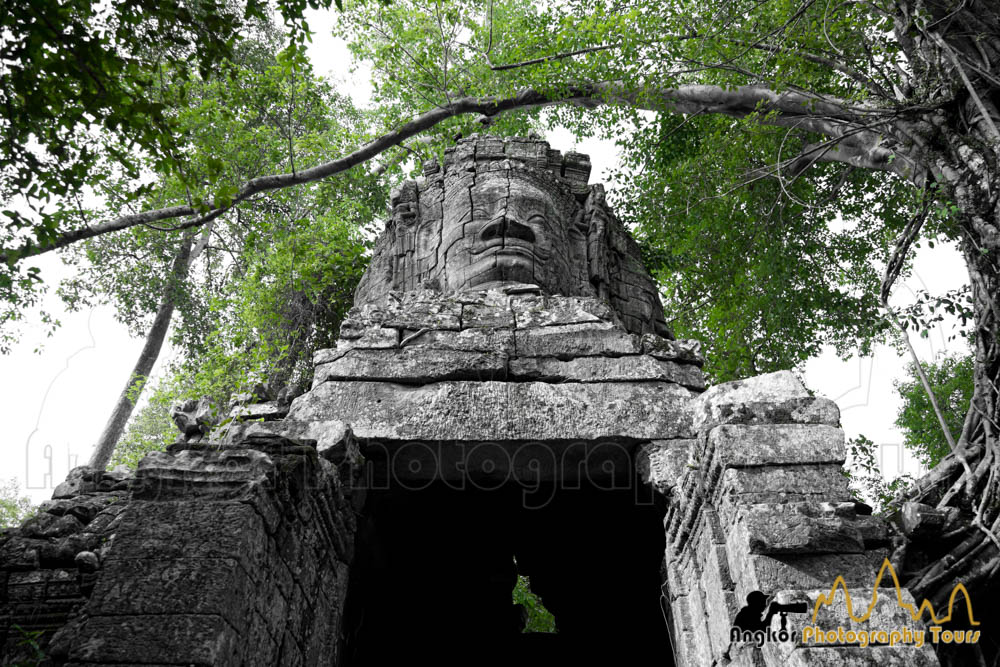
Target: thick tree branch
x=823 y=115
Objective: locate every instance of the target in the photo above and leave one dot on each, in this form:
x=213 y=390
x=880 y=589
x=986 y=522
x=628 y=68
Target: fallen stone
x=44 y=525
x=87 y=561
x=77 y=481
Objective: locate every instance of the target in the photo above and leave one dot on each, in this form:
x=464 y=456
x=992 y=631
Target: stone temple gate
x=505 y=398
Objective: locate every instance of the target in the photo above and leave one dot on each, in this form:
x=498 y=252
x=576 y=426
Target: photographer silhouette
x=750 y=617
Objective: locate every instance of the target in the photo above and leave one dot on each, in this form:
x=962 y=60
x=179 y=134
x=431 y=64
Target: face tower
x=512 y=214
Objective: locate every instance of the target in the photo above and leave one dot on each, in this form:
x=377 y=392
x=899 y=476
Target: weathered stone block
x=369 y=338
x=500 y=411
x=268 y=411
x=494 y=314
x=488 y=465
x=606 y=369
x=664 y=348
x=412 y=365
x=185 y=529
x=576 y=340
x=772 y=398
x=876 y=656
x=784 y=483
x=779 y=444
x=212 y=586
x=169 y=639
x=207 y=472
x=771 y=573
x=662 y=463
x=797 y=528
x=543 y=311
x=496 y=341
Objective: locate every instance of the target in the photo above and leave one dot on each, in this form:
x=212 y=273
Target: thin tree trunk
x=122 y=411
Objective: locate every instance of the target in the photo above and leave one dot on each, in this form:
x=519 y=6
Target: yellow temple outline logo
x=916 y=614
x=905 y=635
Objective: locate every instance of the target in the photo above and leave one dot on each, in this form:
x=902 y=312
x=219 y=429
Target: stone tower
x=505 y=399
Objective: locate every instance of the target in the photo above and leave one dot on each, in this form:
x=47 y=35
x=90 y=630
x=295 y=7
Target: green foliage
x=764 y=257
x=14 y=508
x=951 y=379
x=97 y=96
x=270 y=279
x=764 y=283
x=29 y=643
x=539 y=618
x=289 y=302
x=866 y=480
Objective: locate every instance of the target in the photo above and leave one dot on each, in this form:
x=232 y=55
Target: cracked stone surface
x=508 y=212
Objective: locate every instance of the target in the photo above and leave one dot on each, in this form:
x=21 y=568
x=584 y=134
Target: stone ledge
x=412 y=365
x=605 y=369
x=576 y=340
x=796 y=529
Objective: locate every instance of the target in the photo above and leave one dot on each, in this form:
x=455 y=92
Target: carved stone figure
x=511 y=213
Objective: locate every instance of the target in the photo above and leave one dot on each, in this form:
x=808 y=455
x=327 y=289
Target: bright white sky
x=54 y=404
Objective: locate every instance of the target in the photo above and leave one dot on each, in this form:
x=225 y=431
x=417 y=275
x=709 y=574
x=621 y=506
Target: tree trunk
x=115 y=425
x=961 y=147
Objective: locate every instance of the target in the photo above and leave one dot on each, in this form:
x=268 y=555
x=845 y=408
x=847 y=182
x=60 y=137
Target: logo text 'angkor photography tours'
x=753 y=622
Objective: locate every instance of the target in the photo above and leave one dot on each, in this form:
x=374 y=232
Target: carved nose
x=507 y=228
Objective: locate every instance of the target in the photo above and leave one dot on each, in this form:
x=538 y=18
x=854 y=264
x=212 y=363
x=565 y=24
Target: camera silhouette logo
x=753 y=622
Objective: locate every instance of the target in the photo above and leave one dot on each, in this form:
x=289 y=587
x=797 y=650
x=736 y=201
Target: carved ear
x=616 y=271
x=595 y=219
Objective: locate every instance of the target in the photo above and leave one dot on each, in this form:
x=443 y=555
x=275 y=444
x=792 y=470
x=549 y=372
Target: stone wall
x=234 y=555
x=758 y=502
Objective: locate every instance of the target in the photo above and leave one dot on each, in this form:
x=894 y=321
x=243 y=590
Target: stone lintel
x=571 y=464
x=493 y=411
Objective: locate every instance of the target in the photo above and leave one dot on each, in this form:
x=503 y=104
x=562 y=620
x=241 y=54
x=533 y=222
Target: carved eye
x=538 y=220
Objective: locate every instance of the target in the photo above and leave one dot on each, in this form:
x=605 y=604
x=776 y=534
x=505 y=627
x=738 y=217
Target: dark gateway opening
x=434 y=570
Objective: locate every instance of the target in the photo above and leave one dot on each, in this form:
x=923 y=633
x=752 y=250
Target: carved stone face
x=501 y=212
x=505 y=229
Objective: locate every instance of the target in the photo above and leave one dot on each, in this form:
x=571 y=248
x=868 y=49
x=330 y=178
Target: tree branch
x=824 y=115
